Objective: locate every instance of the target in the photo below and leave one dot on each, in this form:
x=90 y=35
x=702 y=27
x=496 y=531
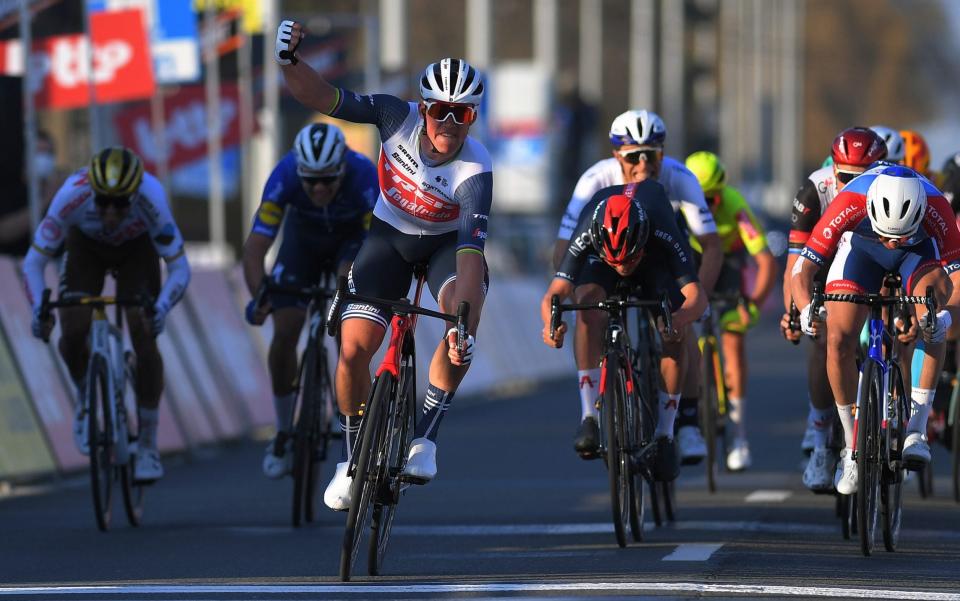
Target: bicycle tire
x=891 y=488
x=324 y=434
x=304 y=436
x=925 y=480
x=669 y=500
x=618 y=459
x=708 y=410
x=400 y=434
x=955 y=444
x=868 y=465
x=363 y=486
x=134 y=493
x=641 y=428
x=655 y=503
x=846 y=513
x=100 y=440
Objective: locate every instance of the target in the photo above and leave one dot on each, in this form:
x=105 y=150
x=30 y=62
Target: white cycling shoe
x=278 y=460
x=337 y=494
x=739 y=458
x=81 y=427
x=916 y=450
x=845 y=478
x=692 y=446
x=421 y=464
x=818 y=475
x=147 y=466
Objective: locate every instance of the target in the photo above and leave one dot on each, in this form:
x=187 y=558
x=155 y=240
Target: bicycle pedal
x=417 y=480
x=589 y=455
x=913 y=465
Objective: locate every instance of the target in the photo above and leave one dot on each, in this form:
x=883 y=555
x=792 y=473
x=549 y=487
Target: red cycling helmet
x=619 y=230
x=858 y=146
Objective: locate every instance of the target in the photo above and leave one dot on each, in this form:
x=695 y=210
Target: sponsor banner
x=23 y=447
x=222 y=326
x=121 y=63
x=186 y=126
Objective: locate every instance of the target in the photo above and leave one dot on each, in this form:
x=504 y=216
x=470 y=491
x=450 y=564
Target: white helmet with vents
x=319 y=147
x=640 y=128
x=893 y=140
x=451 y=80
x=896 y=202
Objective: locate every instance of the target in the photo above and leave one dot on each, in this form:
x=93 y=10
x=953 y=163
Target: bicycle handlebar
x=143 y=301
x=878 y=300
x=610 y=305
x=793 y=321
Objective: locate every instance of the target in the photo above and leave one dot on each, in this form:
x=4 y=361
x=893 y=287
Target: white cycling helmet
x=896 y=202
x=319 y=147
x=451 y=80
x=641 y=128
x=893 y=140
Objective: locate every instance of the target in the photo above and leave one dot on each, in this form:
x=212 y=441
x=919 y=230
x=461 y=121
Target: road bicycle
x=111 y=371
x=314 y=411
x=881 y=412
x=628 y=405
x=389 y=417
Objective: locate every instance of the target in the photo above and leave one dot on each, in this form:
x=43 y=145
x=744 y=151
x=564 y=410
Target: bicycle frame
x=400 y=325
x=106 y=341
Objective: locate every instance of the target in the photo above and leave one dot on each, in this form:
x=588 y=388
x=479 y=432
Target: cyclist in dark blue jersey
x=326 y=192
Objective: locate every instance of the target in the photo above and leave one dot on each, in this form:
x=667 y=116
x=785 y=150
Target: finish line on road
x=506 y=587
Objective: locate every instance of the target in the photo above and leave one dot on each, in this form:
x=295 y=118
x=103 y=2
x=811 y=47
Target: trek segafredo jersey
x=416 y=196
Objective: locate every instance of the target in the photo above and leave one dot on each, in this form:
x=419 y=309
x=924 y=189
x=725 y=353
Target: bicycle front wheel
x=304 y=443
x=100 y=438
x=891 y=486
x=618 y=459
x=954 y=418
x=708 y=410
x=868 y=454
x=365 y=481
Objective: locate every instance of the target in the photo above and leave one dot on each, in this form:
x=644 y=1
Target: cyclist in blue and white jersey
x=324 y=193
x=436 y=188
x=638 y=138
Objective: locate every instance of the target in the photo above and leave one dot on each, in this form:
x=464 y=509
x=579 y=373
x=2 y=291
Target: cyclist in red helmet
x=854 y=149
x=629 y=233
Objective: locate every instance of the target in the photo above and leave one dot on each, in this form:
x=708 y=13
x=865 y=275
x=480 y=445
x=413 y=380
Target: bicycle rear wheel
x=305 y=435
x=399 y=434
x=891 y=484
x=133 y=492
x=100 y=438
x=618 y=459
x=868 y=455
x=955 y=441
x=365 y=476
x=708 y=410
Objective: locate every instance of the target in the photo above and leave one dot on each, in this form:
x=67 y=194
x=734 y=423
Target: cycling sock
x=735 y=413
x=81 y=387
x=667 y=413
x=812 y=413
x=687 y=413
x=350 y=425
x=846 y=418
x=820 y=420
x=920 y=409
x=147 y=419
x=435 y=405
x=589 y=382
x=284 y=405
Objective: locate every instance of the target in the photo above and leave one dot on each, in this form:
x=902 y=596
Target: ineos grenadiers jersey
x=665 y=246
x=73 y=207
x=811 y=202
x=352 y=204
x=416 y=196
x=682 y=189
x=848 y=213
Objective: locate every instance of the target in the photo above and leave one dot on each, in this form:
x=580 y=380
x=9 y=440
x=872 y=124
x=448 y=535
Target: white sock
x=284 y=404
x=588 y=381
x=920 y=409
x=820 y=420
x=147 y=421
x=668 y=411
x=735 y=413
x=846 y=419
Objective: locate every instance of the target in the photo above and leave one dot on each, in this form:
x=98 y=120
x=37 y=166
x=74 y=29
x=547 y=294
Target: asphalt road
x=513 y=512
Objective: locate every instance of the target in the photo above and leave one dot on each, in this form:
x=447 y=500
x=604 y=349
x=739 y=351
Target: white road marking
x=493 y=587
x=693 y=552
x=768 y=496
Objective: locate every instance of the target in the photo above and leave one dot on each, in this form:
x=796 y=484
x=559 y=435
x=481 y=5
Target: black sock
x=687 y=413
x=434 y=406
x=350 y=424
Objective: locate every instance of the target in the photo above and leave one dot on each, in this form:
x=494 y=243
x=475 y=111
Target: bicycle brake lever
x=555 y=314
x=463 y=313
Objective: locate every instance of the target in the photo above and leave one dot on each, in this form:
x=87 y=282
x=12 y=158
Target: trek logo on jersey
x=412 y=199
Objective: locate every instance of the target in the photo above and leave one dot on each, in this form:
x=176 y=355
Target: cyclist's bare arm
x=306 y=85
x=801 y=282
x=559 y=247
x=563 y=288
x=694 y=304
x=766 y=274
x=254 y=253
x=711 y=261
x=787 y=281
x=469 y=286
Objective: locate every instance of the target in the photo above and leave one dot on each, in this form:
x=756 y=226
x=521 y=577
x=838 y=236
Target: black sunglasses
x=634 y=157
x=846 y=177
x=313 y=180
x=118 y=202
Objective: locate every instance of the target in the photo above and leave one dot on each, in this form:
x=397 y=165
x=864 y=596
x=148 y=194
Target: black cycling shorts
x=307 y=252
x=384 y=268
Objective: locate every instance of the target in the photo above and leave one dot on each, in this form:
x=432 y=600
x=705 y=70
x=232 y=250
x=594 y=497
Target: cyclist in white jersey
x=436 y=187
x=112 y=215
x=638 y=137
x=853 y=150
